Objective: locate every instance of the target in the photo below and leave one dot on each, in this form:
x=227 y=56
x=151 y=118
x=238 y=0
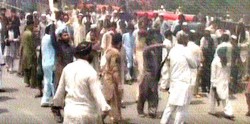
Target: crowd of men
x=82 y=59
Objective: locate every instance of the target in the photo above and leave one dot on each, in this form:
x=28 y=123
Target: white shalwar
x=181 y=62
x=80 y=88
x=220 y=77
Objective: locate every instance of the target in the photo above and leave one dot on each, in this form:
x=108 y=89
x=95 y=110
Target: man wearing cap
x=79 y=32
x=43 y=23
x=220 y=79
x=64 y=54
x=181 y=61
x=65 y=25
x=29 y=54
x=79 y=91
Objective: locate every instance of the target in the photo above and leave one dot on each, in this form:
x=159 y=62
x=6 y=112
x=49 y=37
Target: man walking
x=79 y=88
x=180 y=81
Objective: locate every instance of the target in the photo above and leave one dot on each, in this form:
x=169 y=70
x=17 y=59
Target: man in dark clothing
x=64 y=53
x=15 y=24
x=148 y=89
x=234 y=64
x=4 y=27
x=208 y=49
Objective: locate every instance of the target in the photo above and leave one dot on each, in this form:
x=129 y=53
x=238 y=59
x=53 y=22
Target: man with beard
x=64 y=53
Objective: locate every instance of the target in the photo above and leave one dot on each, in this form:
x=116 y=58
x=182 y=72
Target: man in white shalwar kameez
x=220 y=78
x=180 y=85
x=196 y=54
x=80 y=88
x=79 y=32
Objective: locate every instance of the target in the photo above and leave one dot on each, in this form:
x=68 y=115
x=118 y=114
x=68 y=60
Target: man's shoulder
x=27 y=33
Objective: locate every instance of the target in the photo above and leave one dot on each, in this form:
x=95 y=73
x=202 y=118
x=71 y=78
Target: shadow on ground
x=10 y=90
x=3 y=111
x=5 y=98
x=197 y=102
x=129 y=103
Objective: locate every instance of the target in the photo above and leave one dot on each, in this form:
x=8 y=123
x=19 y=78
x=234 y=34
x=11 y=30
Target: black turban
x=83 y=49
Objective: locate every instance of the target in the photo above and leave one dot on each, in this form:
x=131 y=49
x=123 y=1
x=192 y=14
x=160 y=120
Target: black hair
x=222 y=54
x=47 y=29
x=224 y=37
x=113 y=25
x=13 y=10
x=168 y=33
x=83 y=49
x=29 y=20
x=130 y=26
x=116 y=39
x=241 y=32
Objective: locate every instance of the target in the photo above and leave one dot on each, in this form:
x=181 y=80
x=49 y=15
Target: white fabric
x=84 y=98
x=79 y=33
x=11 y=35
x=229 y=47
x=181 y=112
x=106 y=40
x=180 y=86
x=180 y=81
x=168 y=45
x=196 y=55
x=244 y=48
x=220 y=77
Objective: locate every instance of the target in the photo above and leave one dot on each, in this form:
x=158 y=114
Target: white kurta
x=106 y=40
x=229 y=47
x=84 y=98
x=79 y=33
x=220 y=77
x=196 y=55
x=244 y=48
x=169 y=45
x=180 y=81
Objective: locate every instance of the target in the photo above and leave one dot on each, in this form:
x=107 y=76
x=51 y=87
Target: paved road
x=18 y=106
